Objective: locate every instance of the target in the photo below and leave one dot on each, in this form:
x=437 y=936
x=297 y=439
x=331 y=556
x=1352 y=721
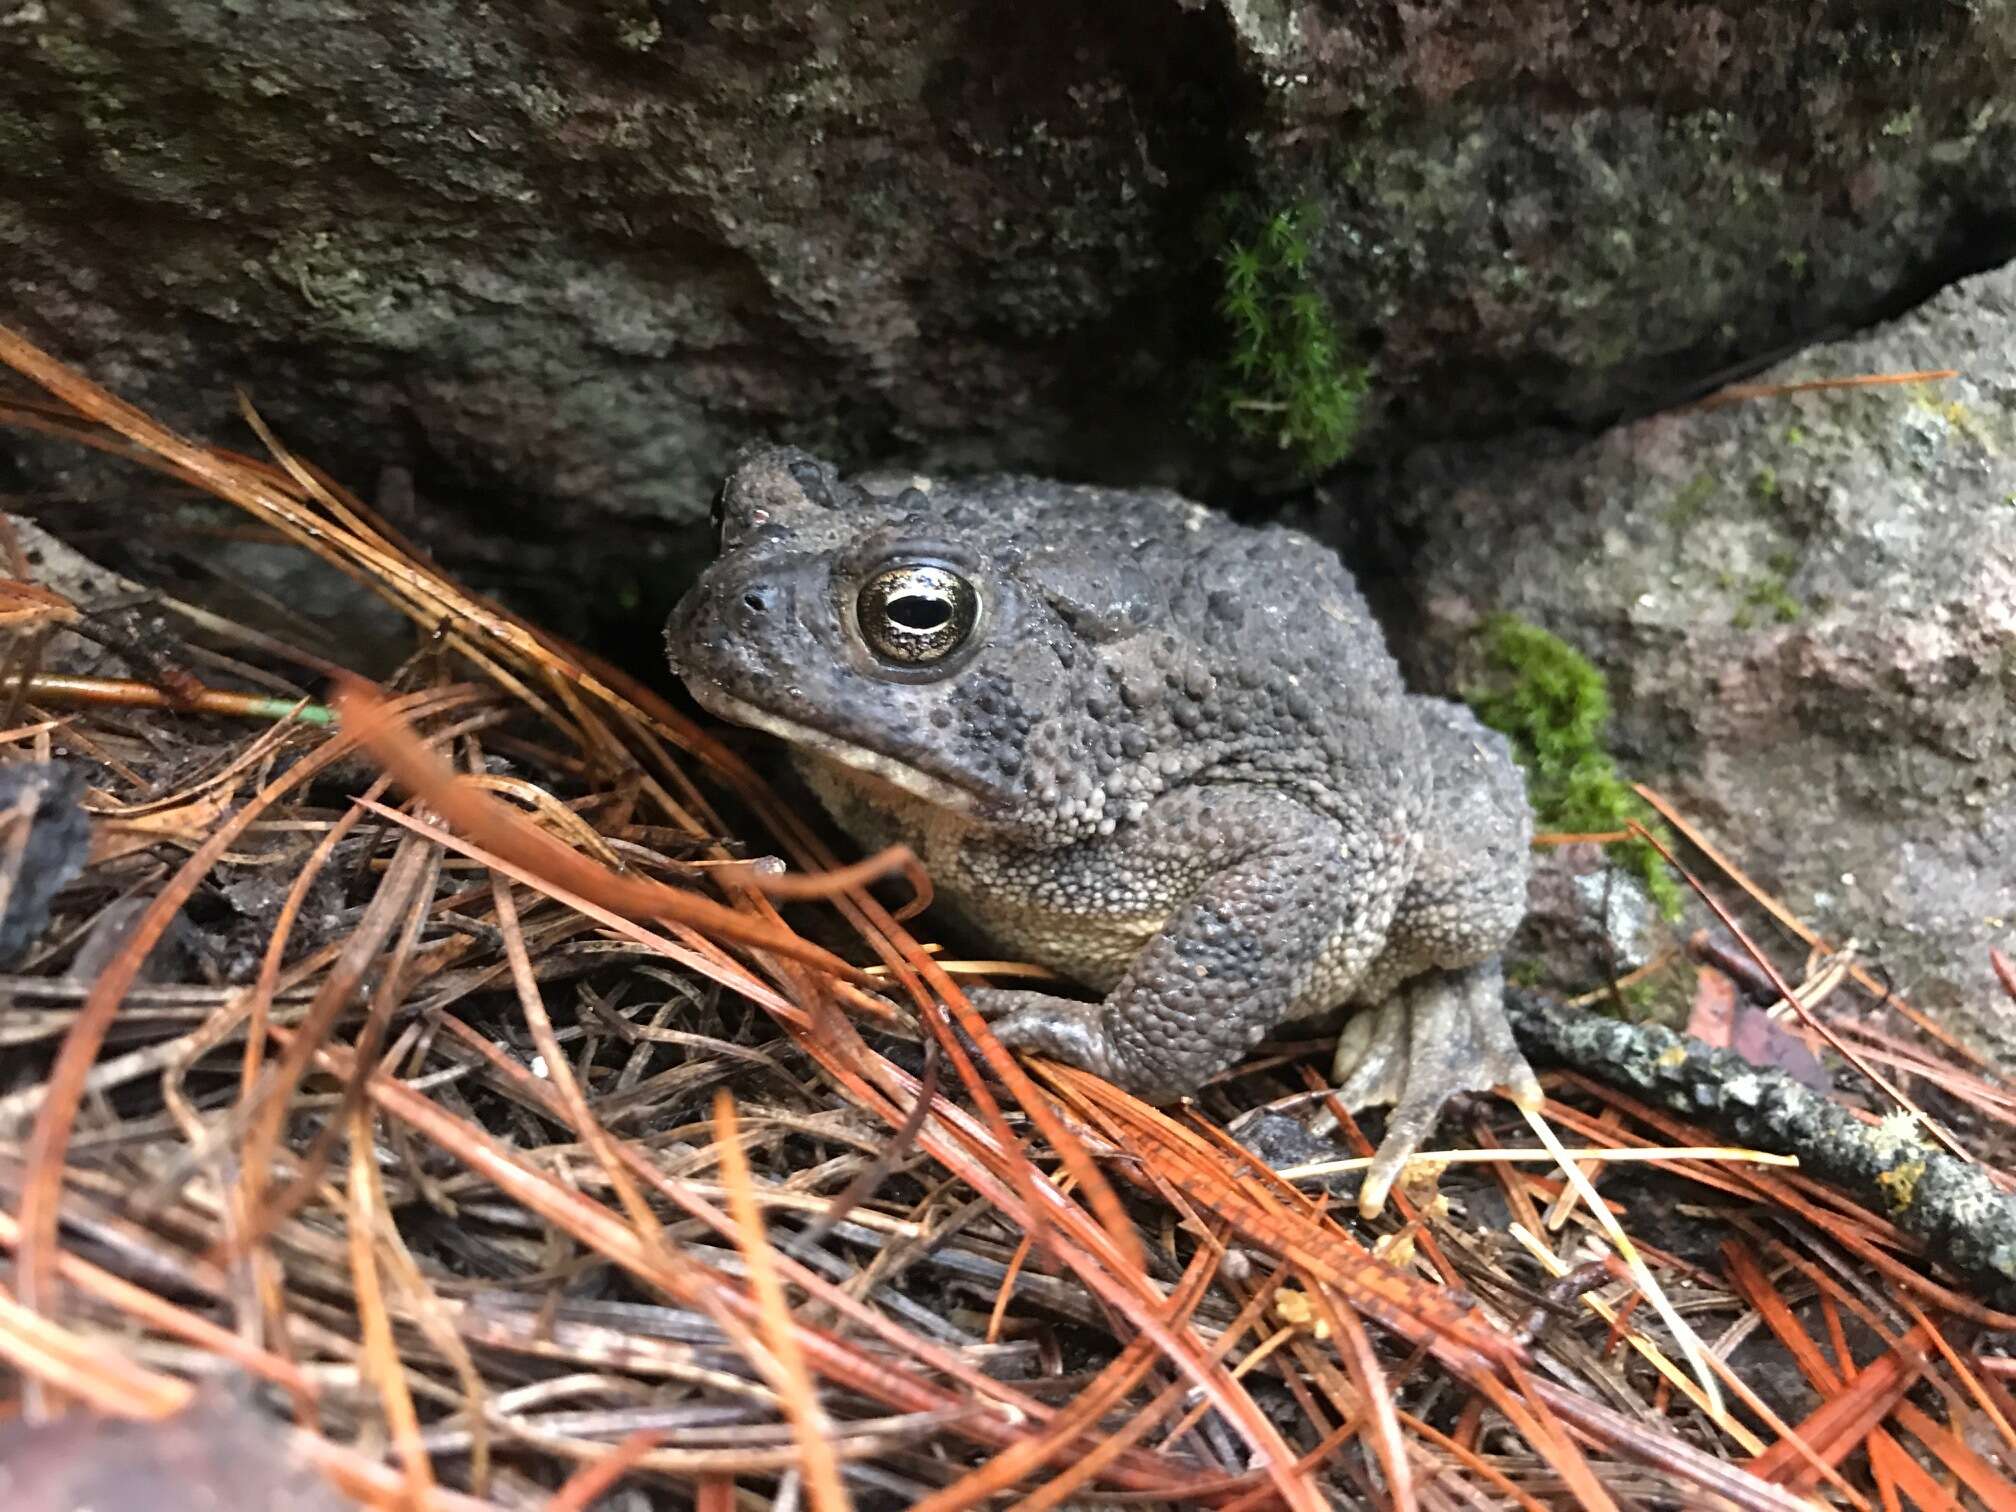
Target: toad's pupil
x=915 y=612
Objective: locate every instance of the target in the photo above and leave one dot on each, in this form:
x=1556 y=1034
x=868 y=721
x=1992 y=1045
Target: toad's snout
x=740 y=614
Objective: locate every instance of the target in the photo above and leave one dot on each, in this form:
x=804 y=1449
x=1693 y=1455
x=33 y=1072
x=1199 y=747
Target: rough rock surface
x=90 y=588
x=1806 y=605
x=571 y=253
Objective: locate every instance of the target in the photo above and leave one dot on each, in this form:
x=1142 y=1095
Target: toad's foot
x=1061 y=1028
x=1441 y=1033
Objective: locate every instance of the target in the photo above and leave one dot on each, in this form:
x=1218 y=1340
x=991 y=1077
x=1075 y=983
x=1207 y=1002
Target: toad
x=1165 y=754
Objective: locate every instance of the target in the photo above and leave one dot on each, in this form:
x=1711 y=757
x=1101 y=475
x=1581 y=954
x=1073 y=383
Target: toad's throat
x=935 y=790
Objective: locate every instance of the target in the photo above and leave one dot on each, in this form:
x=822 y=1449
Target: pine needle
x=1684 y=1336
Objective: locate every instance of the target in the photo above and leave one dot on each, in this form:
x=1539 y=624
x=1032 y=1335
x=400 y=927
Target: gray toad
x=1165 y=754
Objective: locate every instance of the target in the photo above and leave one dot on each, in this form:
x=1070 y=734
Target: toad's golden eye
x=916 y=614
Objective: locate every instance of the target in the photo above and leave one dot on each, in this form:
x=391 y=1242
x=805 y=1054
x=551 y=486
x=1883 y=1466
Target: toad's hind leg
x=1436 y=1025
x=1438 y=1034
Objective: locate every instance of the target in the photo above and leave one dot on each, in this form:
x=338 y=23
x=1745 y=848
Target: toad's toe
x=1442 y=1033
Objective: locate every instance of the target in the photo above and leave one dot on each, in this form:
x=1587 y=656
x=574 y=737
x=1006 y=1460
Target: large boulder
x=573 y=252
x=1806 y=607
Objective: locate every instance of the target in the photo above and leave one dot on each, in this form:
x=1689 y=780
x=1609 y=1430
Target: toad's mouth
x=935 y=790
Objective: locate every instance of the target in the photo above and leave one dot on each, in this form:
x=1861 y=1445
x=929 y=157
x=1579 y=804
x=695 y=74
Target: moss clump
x=1690 y=501
x=1554 y=706
x=1642 y=999
x=1767 y=595
x=1286 y=378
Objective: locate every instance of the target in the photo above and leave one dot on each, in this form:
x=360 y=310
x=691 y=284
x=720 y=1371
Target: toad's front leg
x=1264 y=902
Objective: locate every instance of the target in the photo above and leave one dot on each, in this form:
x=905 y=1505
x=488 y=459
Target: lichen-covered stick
x=1965 y=1222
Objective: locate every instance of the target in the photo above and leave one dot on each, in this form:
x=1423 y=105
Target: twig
x=1964 y=1220
x=1825 y=1030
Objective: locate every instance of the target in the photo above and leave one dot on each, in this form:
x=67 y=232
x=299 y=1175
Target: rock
x=561 y=258
x=1806 y=607
x=43 y=795
x=1586 y=922
x=52 y=564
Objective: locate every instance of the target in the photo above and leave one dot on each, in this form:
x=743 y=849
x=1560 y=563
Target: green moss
x=1766 y=594
x=1764 y=485
x=1688 y=504
x=1641 y=999
x=1555 y=707
x=1772 y=595
x=1286 y=378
